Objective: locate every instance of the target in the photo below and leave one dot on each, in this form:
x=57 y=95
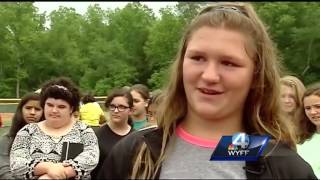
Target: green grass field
x=6 y=126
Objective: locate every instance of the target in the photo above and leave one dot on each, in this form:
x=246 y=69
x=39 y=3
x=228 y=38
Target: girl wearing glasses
x=224 y=80
x=119 y=103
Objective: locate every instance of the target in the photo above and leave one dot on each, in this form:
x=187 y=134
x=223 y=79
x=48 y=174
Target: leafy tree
x=164 y=39
x=104 y=49
x=63 y=39
x=19 y=25
x=130 y=27
x=294 y=28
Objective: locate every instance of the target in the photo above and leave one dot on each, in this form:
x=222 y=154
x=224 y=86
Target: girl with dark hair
x=58 y=147
x=140 y=94
x=28 y=111
x=119 y=103
x=310 y=127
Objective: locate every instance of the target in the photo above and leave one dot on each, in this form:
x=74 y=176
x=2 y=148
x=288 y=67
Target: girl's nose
x=211 y=73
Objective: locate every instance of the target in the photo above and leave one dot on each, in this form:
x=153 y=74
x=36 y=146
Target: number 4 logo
x=240 y=139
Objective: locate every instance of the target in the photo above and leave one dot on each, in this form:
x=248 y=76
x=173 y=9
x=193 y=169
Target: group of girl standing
x=44 y=122
x=301 y=106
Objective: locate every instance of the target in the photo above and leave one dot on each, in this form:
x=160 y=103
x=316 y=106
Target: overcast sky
x=81 y=7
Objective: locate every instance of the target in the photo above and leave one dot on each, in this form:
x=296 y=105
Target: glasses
x=120 y=108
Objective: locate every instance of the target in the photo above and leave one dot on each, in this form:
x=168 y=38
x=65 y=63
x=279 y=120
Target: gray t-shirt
x=191 y=161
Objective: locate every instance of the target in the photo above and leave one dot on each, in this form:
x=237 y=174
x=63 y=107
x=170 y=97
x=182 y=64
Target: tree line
x=107 y=48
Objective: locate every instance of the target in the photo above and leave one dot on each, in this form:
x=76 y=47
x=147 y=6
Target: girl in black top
x=120 y=104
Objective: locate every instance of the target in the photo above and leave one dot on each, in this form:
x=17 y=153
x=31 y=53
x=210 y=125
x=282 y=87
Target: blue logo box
x=240 y=147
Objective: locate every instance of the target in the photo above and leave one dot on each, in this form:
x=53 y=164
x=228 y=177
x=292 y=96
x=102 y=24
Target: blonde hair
x=261 y=113
x=298 y=87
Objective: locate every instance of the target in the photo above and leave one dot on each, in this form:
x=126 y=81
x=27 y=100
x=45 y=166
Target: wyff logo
x=240 y=147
